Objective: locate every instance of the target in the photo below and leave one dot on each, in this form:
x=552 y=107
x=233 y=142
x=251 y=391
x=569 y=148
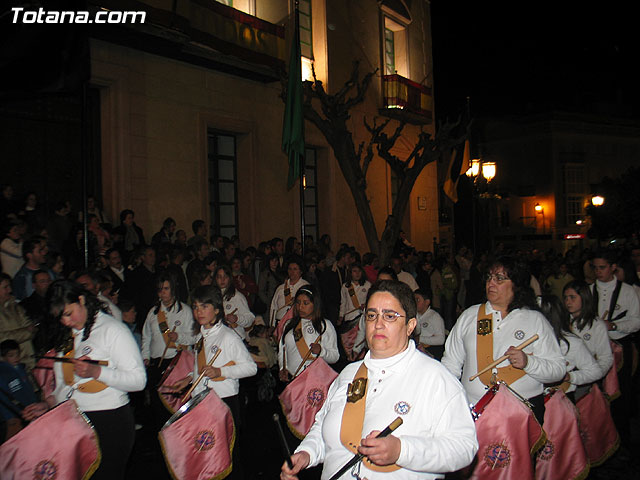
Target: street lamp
x=597 y=200
x=540 y=210
x=488 y=170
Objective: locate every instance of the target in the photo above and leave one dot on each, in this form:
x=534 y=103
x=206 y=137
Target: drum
x=60 y=444
x=181 y=365
x=198 y=439
x=508 y=433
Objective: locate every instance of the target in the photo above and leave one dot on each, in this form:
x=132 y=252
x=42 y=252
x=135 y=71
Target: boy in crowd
x=429 y=334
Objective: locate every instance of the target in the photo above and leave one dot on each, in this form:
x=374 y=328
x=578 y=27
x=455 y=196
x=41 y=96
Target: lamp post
x=477 y=170
x=540 y=210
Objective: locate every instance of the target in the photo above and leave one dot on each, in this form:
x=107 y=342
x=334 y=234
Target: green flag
x=293 y=125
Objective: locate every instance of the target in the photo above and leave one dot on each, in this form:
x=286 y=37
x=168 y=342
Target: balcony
x=406 y=101
x=201 y=32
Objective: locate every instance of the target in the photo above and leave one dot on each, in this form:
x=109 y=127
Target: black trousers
x=116 y=433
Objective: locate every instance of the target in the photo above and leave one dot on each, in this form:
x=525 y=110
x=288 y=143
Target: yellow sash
x=164 y=328
x=202 y=361
x=288 y=299
x=354 y=297
x=353 y=420
x=92 y=386
x=484 y=351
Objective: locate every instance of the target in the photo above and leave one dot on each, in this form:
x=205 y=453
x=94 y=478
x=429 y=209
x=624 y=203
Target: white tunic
x=109 y=340
x=278 y=304
x=232 y=349
x=328 y=346
x=596 y=339
x=581 y=366
x=437 y=434
x=430 y=327
x=346 y=303
x=239 y=304
x=152 y=340
x=545 y=361
x=627 y=301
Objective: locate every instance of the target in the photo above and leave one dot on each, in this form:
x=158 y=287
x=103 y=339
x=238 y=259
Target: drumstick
x=283 y=440
x=504 y=357
x=103 y=363
x=166 y=347
x=195 y=384
x=306 y=357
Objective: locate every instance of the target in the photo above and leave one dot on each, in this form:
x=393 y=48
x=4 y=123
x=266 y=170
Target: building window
x=229 y=3
x=311 y=193
x=395 y=48
x=389 y=53
x=223 y=192
x=575 y=188
x=306 y=40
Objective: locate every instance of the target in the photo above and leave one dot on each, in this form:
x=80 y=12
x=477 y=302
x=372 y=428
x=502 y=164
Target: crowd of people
x=257 y=317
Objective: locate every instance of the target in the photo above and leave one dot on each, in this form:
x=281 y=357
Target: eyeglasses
x=388 y=316
x=498 y=277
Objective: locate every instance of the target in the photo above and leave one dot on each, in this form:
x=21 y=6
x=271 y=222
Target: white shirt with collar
x=430 y=327
x=179 y=317
x=545 y=363
x=239 y=304
x=346 y=303
x=596 y=339
x=581 y=366
x=109 y=340
x=627 y=301
x=328 y=346
x=278 y=304
x=119 y=272
x=437 y=434
x=231 y=349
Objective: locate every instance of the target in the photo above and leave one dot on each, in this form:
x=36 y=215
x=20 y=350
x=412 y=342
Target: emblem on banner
x=519 y=334
x=315 y=397
x=204 y=440
x=45 y=470
x=547 y=451
x=402 y=408
x=497 y=455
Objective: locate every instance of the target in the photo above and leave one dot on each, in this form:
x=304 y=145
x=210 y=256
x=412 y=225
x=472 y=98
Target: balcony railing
x=407 y=100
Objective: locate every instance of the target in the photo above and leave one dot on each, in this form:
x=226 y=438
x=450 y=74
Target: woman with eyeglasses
x=394 y=380
x=487 y=331
x=307 y=331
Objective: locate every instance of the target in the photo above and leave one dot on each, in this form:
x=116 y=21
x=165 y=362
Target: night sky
x=517 y=57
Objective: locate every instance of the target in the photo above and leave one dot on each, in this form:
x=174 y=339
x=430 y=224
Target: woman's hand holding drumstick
x=514 y=358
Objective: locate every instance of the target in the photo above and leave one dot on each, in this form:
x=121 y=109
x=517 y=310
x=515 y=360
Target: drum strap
x=353 y=419
x=288 y=300
x=608 y=315
x=92 y=386
x=202 y=361
x=164 y=328
x=354 y=297
x=484 y=352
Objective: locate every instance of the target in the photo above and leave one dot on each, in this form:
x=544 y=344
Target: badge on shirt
x=310 y=330
x=86 y=350
x=484 y=326
x=519 y=334
x=425 y=324
x=214 y=349
x=228 y=306
x=178 y=323
x=587 y=336
x=402 y=408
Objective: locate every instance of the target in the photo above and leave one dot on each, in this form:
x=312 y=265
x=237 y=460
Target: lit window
x=306 y=40
x=389 y=53
x=223 y=204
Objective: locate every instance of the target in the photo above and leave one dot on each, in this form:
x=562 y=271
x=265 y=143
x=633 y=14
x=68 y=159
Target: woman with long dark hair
x=85 y=331
x=236 y=309
x=579 y=303
x=306 y=331
x=282 y=299
x=582 y=369
x=353 y=299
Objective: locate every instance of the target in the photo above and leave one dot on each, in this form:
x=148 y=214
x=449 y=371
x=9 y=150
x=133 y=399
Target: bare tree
x=331 y=119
